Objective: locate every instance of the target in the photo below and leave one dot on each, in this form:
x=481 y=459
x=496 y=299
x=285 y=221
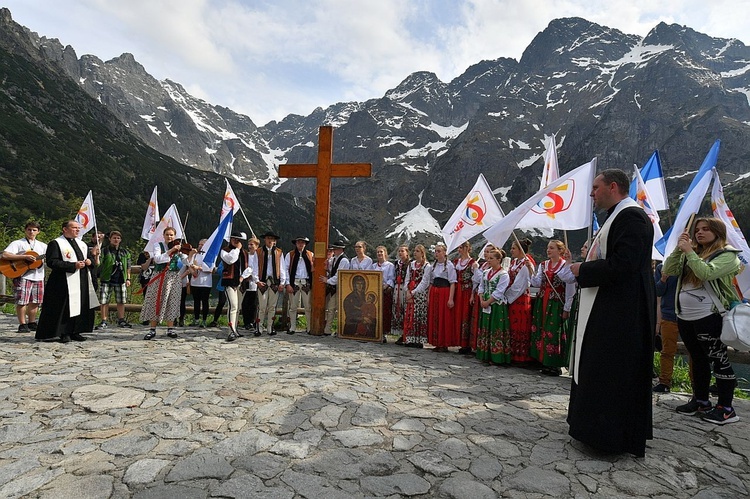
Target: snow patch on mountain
x=417 y=220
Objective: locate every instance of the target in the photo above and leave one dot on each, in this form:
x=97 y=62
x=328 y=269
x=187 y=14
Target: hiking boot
x=102 y=325
x=693 y=407
x=123 y=323
x=24 y=328
x=150 y=335
x=661 y=388
x=720 y=415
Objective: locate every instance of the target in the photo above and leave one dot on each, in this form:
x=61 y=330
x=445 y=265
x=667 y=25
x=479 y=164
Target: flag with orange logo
x=476 y=213
x=230 y=203
x=170 y=219
x=152 y=217
x=544 y=210
x=564 y=205
x=643 y=198
x=86 y=216
x=735 y=237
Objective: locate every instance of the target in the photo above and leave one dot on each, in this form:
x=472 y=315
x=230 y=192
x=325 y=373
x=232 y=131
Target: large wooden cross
x=323 y=171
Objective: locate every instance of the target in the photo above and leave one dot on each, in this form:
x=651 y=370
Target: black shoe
x=232 y=336
x=290 y=332
x=694 y=407
x=661 y=388
x=123 y=323
x=24 y=328
x=552 y=371
x=77 y=337
x=181 y=323
x=32 y=326
x=465 y=351
x=214 y=324
x=145 y=323
x=150 y=335
x=171 y=333
x=257 y=333
x=400 y=341
x=64 y=339
x=272 y=333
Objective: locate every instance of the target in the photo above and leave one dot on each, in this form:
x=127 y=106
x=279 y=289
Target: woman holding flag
x=549 y=336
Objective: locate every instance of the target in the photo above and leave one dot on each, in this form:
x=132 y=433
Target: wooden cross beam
x=323 y=171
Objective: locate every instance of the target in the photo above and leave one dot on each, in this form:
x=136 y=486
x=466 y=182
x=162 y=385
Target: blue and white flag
x=691 y=203
x=643 y=198
x=215 y=241
x=595 y=224
x=653 y=177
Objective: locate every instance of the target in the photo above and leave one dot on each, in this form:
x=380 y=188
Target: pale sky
x=270 y=58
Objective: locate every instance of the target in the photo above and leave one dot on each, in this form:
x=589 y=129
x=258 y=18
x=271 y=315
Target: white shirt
x=20 y=247
x=565 y=275
x=521 y=282
x=268 y=271
x=344 y=265
x=301 y=272
x=364 y=264
x=445 y=271
x=203 y=279
x=425 y=282
x=389 y=273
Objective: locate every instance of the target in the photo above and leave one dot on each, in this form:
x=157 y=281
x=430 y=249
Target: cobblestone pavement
x=300 y=416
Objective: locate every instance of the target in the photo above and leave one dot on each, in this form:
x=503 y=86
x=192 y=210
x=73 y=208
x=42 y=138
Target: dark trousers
x=701 y=339
x=183 y=306
x=220 y=306
x=249 y=308
x=200 y=301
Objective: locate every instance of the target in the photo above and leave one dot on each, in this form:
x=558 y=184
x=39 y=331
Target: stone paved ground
x=298 y=416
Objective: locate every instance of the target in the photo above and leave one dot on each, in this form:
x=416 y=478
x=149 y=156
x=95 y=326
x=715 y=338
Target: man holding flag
x=610 y=397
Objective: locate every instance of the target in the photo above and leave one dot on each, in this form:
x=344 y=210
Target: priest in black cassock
x=612 y=362
x=70 y=297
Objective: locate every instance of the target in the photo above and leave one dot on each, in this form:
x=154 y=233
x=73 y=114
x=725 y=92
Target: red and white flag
x=476 y=213
x=152 y=217
x=86 y=216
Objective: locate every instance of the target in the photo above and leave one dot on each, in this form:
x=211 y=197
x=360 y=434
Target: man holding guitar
x=23 y=261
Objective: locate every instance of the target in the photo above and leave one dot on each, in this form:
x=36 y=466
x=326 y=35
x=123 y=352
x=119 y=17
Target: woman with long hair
x=705 y=269
x=399 y=292
x=518 y=298
x=493 y=337
x=360 y=261
x=441 y=328
x=388 y=270
x=549 y=334
x=464 y=297
x=417 y=284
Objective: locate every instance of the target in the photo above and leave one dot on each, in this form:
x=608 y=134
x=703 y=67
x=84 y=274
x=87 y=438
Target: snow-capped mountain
x=599 y=91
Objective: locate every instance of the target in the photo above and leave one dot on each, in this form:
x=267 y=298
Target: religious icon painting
x=360 y=305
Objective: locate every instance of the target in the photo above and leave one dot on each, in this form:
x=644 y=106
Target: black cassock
x=610 y=406
x=55 y=320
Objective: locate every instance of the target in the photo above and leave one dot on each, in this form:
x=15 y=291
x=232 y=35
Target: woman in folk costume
x=399 y=292
x=549 y=335
x=388 y=270
x=417 y=284
x=361 y=261
x=518 y=298
x=162 y=300
x=493 y=337
x=465 y=266
x=476 y=312
x=705 y=269
x=441 y=327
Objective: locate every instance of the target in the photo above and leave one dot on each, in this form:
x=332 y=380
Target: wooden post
x=323 y=171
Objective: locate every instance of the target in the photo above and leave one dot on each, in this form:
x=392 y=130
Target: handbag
x=735 y=323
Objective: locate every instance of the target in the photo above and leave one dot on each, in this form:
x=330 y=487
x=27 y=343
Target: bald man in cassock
x=70 y=299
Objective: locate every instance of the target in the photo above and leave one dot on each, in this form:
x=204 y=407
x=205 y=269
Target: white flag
x=551 y=170
x=230 y=203
x=734 y=234
x=643 y=198
x=170 y=219
x=567 y=205
x=476 y=213
x=86 y=216
x=152 y=217
x=578 y=182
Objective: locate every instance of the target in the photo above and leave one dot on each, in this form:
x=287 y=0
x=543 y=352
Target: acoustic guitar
x=16 y=268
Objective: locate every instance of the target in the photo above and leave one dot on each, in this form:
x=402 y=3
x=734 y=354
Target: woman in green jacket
x=705 y=267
